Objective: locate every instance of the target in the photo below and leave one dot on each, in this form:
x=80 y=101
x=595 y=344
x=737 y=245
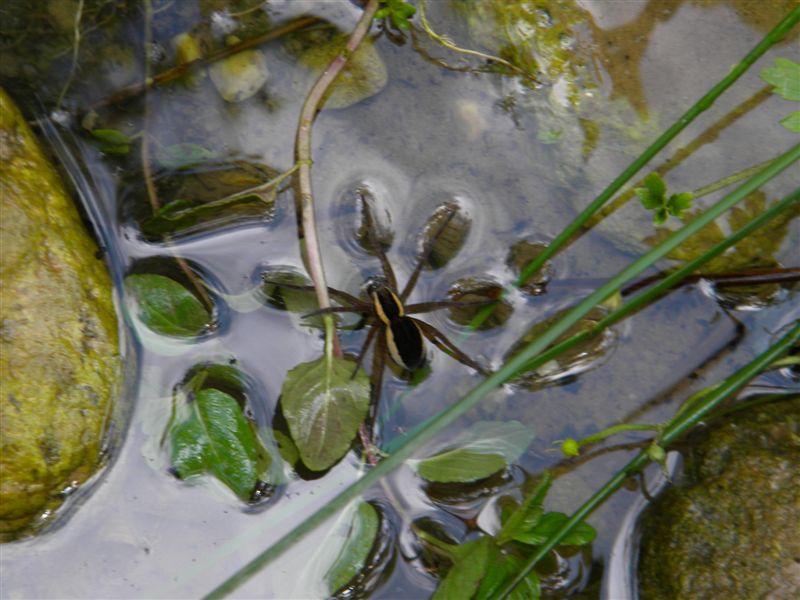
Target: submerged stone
x=364 y=75
x=59 y=351
x=731 y=529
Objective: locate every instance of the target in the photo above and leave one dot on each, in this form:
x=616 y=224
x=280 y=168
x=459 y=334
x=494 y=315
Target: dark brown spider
x=398 y=334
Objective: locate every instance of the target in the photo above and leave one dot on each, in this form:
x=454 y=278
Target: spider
x=398 y=334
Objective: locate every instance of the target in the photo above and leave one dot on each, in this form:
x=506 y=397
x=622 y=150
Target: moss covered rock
x=59 y=351
x=732 y=528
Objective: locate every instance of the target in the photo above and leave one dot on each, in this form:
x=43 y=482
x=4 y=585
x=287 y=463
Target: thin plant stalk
x=674 y=430
x=305 y=200
x=422 y=435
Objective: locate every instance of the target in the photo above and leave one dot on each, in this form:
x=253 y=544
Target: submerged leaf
x=212 y=435
x=166 y=306
x=324 y=403
x=478 y=452
x=358 y=543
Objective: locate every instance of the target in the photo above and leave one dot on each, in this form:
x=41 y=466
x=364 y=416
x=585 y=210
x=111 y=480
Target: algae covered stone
x=59 y=352
x=732 y=528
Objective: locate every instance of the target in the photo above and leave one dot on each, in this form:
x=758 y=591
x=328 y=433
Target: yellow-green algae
x=59 y=349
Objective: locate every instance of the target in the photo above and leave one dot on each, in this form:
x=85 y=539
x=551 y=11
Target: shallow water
x=432 y=135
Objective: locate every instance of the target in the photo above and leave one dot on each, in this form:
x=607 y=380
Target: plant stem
x=305 y=202
x=729 y=180
x=672 y=432
x=614 y=430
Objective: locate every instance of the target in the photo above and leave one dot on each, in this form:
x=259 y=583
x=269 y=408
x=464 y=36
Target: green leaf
x=528 y=513
x=460 y=466
x=115 y=150
x=504 y=567
x=211 y=435
x=678 y=203
x=792 y=122
x=660 y=216
x=183 y=155
x=552 y=522
x=359 y=540
x=111 y=137
x=785 y=77
x=648 y=200
x=167 y=307
x=477 y=452
x=324 y=404
x=655 y=185
x=471 y=566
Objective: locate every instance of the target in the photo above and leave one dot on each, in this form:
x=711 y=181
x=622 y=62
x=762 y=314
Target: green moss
x=59 y=352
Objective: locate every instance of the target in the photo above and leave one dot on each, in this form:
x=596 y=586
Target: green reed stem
x=672 y=432
x=458 y=409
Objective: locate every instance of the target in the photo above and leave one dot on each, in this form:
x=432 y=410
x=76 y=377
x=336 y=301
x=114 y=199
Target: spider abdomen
x=404 y=342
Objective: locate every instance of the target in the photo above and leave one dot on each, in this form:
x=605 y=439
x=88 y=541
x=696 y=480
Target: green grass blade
x=674 y=431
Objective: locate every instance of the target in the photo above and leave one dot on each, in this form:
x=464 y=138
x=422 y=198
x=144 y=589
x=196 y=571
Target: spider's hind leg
x=439 y=340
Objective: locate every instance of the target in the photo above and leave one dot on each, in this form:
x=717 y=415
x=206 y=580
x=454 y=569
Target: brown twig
x=182 y=69
x=305 y=200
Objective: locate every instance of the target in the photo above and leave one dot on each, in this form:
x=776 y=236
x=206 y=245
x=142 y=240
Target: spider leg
x=376 y=378
x=370 y=336
x=423 y=307
x=388 y=272
x=338 y=294
x=362 y=307
x=423 y=256
x=439 y=340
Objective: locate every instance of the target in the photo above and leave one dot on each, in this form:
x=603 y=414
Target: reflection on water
x=516 y=161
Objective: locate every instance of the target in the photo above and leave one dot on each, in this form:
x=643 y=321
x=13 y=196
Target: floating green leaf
x=653 y=196
x=398 y=11
x=551 y=522
x=324 y=403
x=478 y=452
x=784 y=77
x=358 y=543
x=211 y=435
x=527 y=515
x=471 y=564
x=792 y=122
x=166 y=306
